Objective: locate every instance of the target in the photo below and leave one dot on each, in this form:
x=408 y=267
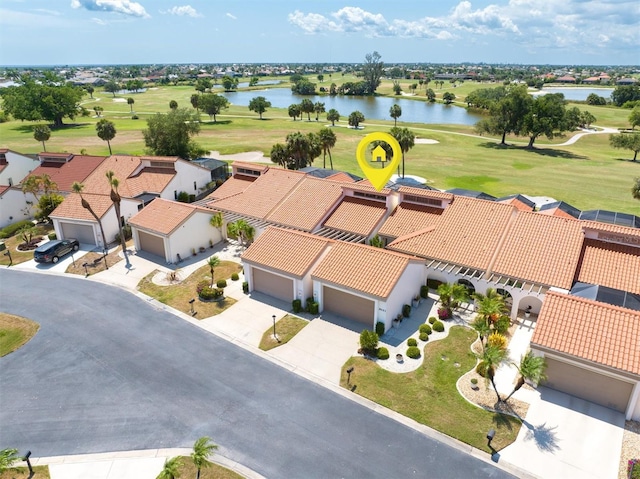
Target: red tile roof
x=615 y=229
x=608 y=264
x=589 y=330
x=149 y=180
x=71 y=207
x=163 y=216
x=356 y=215
x=366 y=187
x=288 y=251
x=409 y=217
x=520 y=205
x=3 y=188
x=542 y=249
x=556 y=212
x=373 y=271
x=250 y=166
x=65 y=174
x=441 y=195
x=341 y=177
x=234 y=185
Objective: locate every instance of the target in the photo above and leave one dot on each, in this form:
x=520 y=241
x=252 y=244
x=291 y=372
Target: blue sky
x=48 y=32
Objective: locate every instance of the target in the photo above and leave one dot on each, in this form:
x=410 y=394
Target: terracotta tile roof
x=149 y=180
x=341 y=177
x=163 y=216
x=357 y=215
x=289 y=251
x=65 y=174
x=540 y=248
x=373 y=271
x=611 y=228
x=366 y=187
x=71 y=207
x=441 y=195
x=168 y=159
x=409 y=217
x=250 y=166
x=609 y=264
x=597 y=332
x=3 y=188
x=517 y=202
x=261 y=196
x=49 y=154
x=308 y=204
x=556 y=212
x=468 y=233
x=234 y=185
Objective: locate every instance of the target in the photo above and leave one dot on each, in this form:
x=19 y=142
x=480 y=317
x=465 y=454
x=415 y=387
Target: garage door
x=272 y=284
x=152 y=244
x=598 y=388
x=83 y=233
x=348 y=305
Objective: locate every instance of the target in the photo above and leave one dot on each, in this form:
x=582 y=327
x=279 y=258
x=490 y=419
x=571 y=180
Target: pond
x=373 y=108
x=577 y=93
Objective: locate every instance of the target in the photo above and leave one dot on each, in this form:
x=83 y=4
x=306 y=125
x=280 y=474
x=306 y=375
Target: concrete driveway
x=61 y=266
x=567 y=437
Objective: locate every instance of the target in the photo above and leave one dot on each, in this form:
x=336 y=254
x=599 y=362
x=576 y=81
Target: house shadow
x=399 y=333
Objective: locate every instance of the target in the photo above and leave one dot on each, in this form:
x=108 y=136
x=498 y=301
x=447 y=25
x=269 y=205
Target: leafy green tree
x=229 y=83
x=448 y=97
x=479 y=324
x=431 y=95
x=203 y=447
x=41 y=133
x=372 y=71
x=253 y=81
x=531 y=368
x=213 y=262
x=7 y=458
x=304 y=87
x=47 y=203
x=327 y=141
x=77 y=187
x=545 y=117
x=134 y=85
x=395 y=112
x=397 y=88
x=294 y=111
x=112 y=87
x=35 y=184
x=586 y=119
x=98 y=110
x=116 y=199
x=213 y=104
x=299 y=151
x=173 y=105
x=171 y=468
x=318 y=107
x=90 y=90
x=369 y=341
x=625 y=93
x=259 y=104
x=355 y=118
x=635 y=190
x=130 y=102
x=490 y=360
x=451 y=295
x=406 y=139
x=320 y=78
x=279 y=155
x=507 y=107
x=626 y=141
x=169 y=134
x=333 y=116
x=634 y=117
x=204 y=84
x=594 y=99
x=306 y=106
x=106 y=131
x=195 y=101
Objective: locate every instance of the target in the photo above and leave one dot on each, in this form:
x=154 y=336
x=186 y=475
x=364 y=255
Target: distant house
x=626 y=81
x=566 y=79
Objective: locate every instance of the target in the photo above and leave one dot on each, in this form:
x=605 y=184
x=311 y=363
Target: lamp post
x=274 y=328
x=490 y=435
x=8 y=253
x=191 y=301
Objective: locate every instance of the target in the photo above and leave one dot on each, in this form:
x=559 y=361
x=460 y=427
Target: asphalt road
x=109 y=372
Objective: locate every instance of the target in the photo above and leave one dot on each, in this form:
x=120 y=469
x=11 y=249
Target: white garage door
x=152 y=244
x=272 y=284
x=83 y=233
x=348 y=305
x=598 y=388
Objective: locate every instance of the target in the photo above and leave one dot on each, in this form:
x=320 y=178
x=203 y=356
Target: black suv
x=52 y=251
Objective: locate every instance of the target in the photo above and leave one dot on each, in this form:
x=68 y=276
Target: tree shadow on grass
x=66 y=126
x=216 y=123
x=628 y=160
x=539 y=151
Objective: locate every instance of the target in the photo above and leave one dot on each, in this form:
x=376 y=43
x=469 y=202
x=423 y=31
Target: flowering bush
x=444 y=313
x=633 y=468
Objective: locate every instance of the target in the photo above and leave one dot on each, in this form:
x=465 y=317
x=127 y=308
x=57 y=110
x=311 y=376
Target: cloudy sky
x=560 y=32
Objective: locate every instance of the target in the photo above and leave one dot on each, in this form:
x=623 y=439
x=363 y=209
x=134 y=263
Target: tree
x=112 y=87
x=594 y=99
x=217 y=220
x=634 y=117
x=372 y=71
x=213 y=104
x=116 y=199
x=90 y=90
x=304 y=87
x=531 y=368
x=203 y=447
x=586 y=119
x=204 y=84
x=259 y=104
x=169 y=134
x=635 y=190
x=280 y=155
x=229 y=84
x=625 y=93
x=397 y=89
x=195 y=101
x=254 y=81
x=173 y=105
x=171 y=468
x=106 y=131
x=490 y=306
x=213 y=262
x=545 y=117
x=7 y=458
x=41 y=133
x=327 y=141
x=355 y=118
x=507 y=107
x=448 y=97
x=369 y=341
x=479 y=324
x=627 y=141
x=77 y=188
x=299 y=151
x=320 y=77
x=47 y=203
x=406 y=139
x=318 y=107
x=333 y=116
x=451 y=295
x=34 y=184
x=294 y=111
x=242 y=230
x=306 y=106
x=490 y=360
x=431 y=95
x=395 y=112
x=98 y=110
x=130 y=102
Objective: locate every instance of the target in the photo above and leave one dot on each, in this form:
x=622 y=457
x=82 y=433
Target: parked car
x=52 y=251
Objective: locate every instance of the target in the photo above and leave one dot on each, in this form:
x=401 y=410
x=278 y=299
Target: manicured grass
x=212 y=471
x=429 y=395
x=15 y=332
x=39 y=472
x=178 y=295
x=13 y=242
x=286 y=328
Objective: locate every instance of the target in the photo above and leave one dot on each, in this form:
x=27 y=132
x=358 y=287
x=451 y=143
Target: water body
x=576 y=93
x=373 y=108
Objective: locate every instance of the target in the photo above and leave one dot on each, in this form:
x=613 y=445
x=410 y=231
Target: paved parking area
x=61 y=266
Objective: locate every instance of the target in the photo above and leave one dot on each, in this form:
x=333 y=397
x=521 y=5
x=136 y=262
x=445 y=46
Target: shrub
x=4 y=117
x=221 y=283
x=126 y=229
x=501 y=325
x=498 y=340
x=183 y=197
x=413 y=352
x=425 y=328
x=296 y=304
x=424 y=291
x=406 y=310
x=424 y=337
x=209 y=293
x=443 y=313
x=633 y=468
x=368 y=340
x=10 y=230
x=52 y=236
x=438 y=326
x=135 y=117
x=432 y=319
x=314 y=307
x=412 y=342
x=474 y=381
x=245 y=287
x=235 y=277
x=308 y=304
x=202 y=285
x=383 y=353
x=379 y=328
x=481 y=369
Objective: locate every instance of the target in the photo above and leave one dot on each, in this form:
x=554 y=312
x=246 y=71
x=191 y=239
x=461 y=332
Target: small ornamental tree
x=368 y=341
x=42 y=133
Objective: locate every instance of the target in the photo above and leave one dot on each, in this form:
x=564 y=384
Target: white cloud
x=184 y=10
x=125 y=7
x=99 y=21
x=232 y=17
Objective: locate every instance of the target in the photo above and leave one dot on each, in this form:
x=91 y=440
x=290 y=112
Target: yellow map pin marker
x=378 y=176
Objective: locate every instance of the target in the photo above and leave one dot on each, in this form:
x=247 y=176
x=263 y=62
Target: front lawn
x=286 y=328
x=15 y=332
x=178 y=295
x=13 y=242
x=95 y=262
x=429 y=395
x=212 y=471
x=39 y=472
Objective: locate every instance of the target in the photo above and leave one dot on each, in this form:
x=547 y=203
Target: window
x=195 y=187
x=370 y=196
x=423 y=200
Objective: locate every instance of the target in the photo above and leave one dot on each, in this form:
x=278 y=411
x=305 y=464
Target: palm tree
x=106 y=131
x=202 y=449
x=490 y=306
x=635 y=190
x=490 y=359
x=532 y=369
x=280 y=155
x=395 y=112
x=451 y=295
x=333 y=116
x=327 y=141
x=294 y=111
x=406 y=139
x=171 y=468
x=213 y=262
x=318 y=107
x=217 y=220
x=241 y=230
x=36 y=183
x=77 y=188
x=306 y=106
x=117 y=199
x=42 y=133
x=481 y=327
x=355 y=118
x=130 y=102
